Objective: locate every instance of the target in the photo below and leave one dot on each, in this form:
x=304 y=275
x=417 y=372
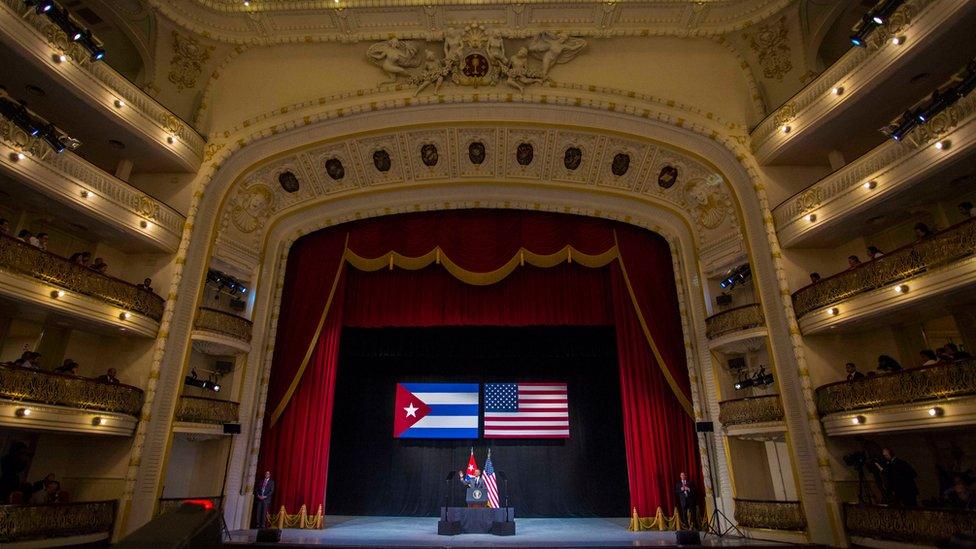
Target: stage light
x=858 y=420
x=75 y=34
x=743 y=384
x=877 y=20
x=22 y=412
x=857 y=41
x=870 y=185
x=98 y=54
x=936 y=411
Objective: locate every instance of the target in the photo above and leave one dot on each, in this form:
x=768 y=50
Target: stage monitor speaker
x=503 y=528
x=737 y=364
x=186 y=526
x=688 y=537
x=268 y=535
x=448 y=527
x=704 y=426
x=232 y=428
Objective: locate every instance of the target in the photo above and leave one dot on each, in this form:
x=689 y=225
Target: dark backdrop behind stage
x=371 y=473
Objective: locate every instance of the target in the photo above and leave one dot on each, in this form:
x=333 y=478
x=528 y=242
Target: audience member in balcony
x=888 y=365
x=109 y=377
x=12 y=465
x=4 y=226
x=99 y=265
x=966 y=208
x=957 y=353
x=68 y=367
x=50 y=494
x=29 y=359
x=24 y=235
x=922 y=231
x=42 y=240
x=40 y=484
x=815 y=277
x=80 y=258
x=145 y=285
x=899 y=480
x=960 y=496
x=945 y=355
x=852 y=373
x=928 y=357
x=874 y=252
x=853 y=261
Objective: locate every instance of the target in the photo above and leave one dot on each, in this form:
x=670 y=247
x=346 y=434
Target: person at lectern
x=685 y=491
x=475 y=485
x=262 y=493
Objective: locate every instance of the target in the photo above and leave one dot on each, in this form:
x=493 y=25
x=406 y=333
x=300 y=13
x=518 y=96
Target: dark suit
x=687 y=496
x=899 y=479
x=265 y=489
x=474 y=483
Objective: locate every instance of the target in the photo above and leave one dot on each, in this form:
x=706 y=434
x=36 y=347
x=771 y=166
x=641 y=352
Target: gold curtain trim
x=567 y=254
x=280 y=409
x=682 y=399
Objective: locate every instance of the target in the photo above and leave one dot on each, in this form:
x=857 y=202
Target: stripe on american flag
x=526 y=410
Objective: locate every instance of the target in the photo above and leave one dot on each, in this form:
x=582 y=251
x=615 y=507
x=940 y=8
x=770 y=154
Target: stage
x=346 y=531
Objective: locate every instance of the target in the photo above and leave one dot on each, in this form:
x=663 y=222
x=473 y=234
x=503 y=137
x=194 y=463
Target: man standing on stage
x=685 y=491
x=263 y=492
x=473 y=481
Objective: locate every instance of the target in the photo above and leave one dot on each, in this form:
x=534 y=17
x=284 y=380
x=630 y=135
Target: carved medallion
x=475 y=66
x=381 y=159
x=288 y=182
x=189 y=57
x=706 y=201
x=333 y=167
x=251 y=206
x=428 y=155
x=772 y=46
x=476 y=152
x=524 y=154
x=620 y=164
x=572 y=158
x=667 y=177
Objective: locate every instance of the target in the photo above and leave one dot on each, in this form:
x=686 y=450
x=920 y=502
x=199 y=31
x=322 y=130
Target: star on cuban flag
x=436 y=410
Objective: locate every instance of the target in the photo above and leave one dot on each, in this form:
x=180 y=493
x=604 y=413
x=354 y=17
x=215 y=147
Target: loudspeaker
x=268 y=535
x=688 y=537
x=704 y=426
x=232 y=428
x=187 y=526
x=448 y=527
x=736 y=364
x=503 y=528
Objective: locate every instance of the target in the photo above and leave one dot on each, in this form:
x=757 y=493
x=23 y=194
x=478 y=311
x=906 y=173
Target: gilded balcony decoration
x=938 y=381
x=166 y=505
x=775 y=515
x=193 y=409
x=55 y=520
x=758 y=409
x=24 y=384
x=936 y=251
x=23 y=259
x=912 y=525
x=212 y=320
x=734 y=319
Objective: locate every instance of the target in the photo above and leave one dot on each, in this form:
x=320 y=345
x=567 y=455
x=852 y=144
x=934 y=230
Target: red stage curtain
x=636 y=293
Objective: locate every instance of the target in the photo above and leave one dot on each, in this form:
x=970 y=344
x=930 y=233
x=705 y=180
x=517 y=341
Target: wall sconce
x=124 y=315
x=811 y=218
x=22 y=412
x=57 y=293
x=901 y=289
x=144 y=224
x=936 y=411
x=870 y=185
x=97 y=421
x=858 y=420
x=898 y=40
x=171 y=139
x=942 y=144
x=785 y=128
x=837 y=90
x=119 y=103
x=833 y=311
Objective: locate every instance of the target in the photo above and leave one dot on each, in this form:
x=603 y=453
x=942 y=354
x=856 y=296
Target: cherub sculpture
x=394 y=57
x=434 y=72
x=553 y=48
x=519 y=73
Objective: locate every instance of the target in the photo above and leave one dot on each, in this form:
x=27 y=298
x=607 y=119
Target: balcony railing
x=938 y=381
x=758 y=409
x=775 y=515
x=950 y=245
x=908 y=524
x=168 y=504
x=734 y=319
x=21 y=258
x=24 y=384
x=193 y=409
x=55 y=520
x=212 y=320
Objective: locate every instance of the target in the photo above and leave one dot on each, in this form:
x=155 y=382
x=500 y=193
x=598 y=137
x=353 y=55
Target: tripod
x=714 y=524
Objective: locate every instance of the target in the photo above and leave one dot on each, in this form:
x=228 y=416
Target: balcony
x=769 y=514
x=937 y=265
x=166 y=505
x=191 y=409
x=98 y=197
x=750 y=410
x=219 y=333
x=737 y=319
x=901 y=401
x=64 y=402
x=29 y=273
x=909 y=525
x=84 y=523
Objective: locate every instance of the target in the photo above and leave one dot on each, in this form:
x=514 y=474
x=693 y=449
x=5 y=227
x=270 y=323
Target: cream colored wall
x=782 y=182
x=90 y=468
x=750 y=468
x=21 y=335
x=195 y=468
x=827 y=354
x=173 y=189
x=96 y=353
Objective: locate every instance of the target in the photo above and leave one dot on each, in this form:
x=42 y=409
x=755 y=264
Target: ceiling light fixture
x=22 y=412
x=870 y=185
x=837 y=90
x=858 y=420
x=936 y=411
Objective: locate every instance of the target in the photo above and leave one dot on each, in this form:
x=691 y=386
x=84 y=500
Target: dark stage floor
x=343 y=531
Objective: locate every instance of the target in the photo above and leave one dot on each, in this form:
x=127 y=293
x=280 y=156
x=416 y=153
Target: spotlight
x=42 y=6
x=877 y=20
x=98 y=54
x=75 y=34
x=96 y=421
x=870 y=185
x=743 y=384
x=193 y=381
x=936 y=411
x=22 y=412
x=858 y=420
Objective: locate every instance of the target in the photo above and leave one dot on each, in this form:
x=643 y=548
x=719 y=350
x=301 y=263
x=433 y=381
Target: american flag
x=526 y=410
x=491 y=483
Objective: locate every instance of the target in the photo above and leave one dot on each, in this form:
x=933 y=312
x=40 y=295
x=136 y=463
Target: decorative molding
x=918 y=526
x=774 y=515
x=66 y=418
x=225 y=324
x=771 y=44
x=740 y=318
x=191 y=409
x=25 y=384
x=951 y=412
x=22 y=523
x=757 y=409
x=189 y=57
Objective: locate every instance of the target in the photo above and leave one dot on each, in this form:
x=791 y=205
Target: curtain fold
x=634 y=291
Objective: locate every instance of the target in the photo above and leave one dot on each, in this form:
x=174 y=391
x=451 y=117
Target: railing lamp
x=124 y=315
x=57 y=293
x=22 y=412
x=936 y=411
x=901 y=289
x=858 y=420
x=833 y=311
x=96 y=421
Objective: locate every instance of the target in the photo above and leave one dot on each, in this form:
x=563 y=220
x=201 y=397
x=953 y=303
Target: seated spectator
x=24 y=235
x=50 y=494
x=966 y=208
x=80 y=258
x=874 y=252
x=957 y=353
x=29 y=359
x=853 y=261
x=959 y=496
x=852 y=373
x=34 y=240
x=69 y=367
x=145 y=285
x=39 y=485
x=814 y=277
x=922 y=231
x=928 y=357
x=4 y=226
x=42 y=239
x=945 y=355
x=888 y=365
x=108 y=377
x=99 y=265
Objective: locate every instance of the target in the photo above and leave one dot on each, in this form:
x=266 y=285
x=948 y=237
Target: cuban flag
x=436 y=410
